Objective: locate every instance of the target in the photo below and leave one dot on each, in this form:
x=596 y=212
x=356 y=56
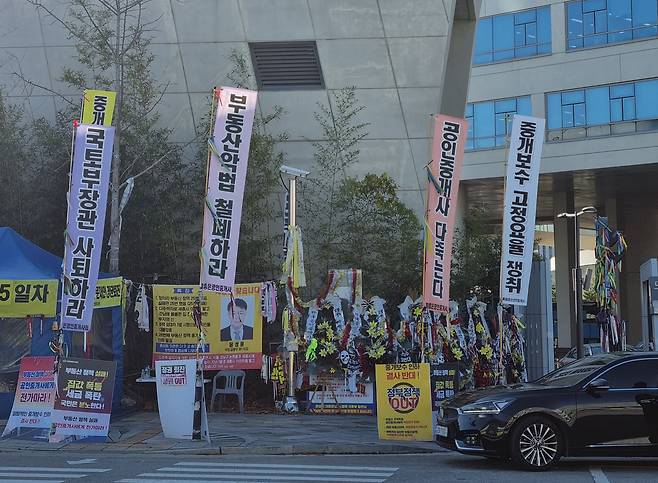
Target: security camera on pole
x=293 y=277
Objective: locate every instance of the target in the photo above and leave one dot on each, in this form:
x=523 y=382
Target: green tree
x=379 y=234
x=355 y=223
x=476 y=259
x=112 y=40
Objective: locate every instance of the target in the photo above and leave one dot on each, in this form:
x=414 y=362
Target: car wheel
x=536 y=444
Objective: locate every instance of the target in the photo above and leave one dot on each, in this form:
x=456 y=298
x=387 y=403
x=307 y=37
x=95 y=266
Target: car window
x=596 y=349
x=575 y=372
x=637 y=374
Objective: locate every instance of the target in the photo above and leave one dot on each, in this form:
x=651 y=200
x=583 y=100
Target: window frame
x=639 y=124
x=605 y=371
x=607 y=32
x=514 y=47
x=495 y=136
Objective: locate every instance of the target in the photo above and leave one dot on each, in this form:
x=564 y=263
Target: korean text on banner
x=175 y=383
x=227 y=172
x=521 y=183
x=20 y=298
x=84 y=399
x=83 y=244
x=98 y=107
x=35 y=395
x=404 y=403
x=108 y=292
x=232 y=326
x=444 y=173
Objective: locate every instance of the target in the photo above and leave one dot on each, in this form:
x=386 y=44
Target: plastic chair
x=233 y=383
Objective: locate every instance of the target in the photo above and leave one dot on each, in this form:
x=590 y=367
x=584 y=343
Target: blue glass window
x=513 y=35
x=595 y=106
x=600 y=22
x=490 y=122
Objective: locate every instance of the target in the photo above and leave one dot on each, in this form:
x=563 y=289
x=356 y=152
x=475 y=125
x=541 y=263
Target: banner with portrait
x=232 y=326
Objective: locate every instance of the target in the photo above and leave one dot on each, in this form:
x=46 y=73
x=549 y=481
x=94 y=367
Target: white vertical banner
x=521 y=182
x=87 y=200
x=227 y=172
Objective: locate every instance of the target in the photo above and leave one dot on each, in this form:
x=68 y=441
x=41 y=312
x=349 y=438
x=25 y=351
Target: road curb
x=245 y=451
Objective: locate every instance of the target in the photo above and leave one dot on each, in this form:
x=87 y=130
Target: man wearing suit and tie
x=237 y=312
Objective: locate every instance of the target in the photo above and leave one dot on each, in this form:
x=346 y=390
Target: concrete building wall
x=393 y=52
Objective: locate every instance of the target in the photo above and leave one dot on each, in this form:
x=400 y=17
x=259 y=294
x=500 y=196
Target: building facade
x=400 y=56
x=586 y=66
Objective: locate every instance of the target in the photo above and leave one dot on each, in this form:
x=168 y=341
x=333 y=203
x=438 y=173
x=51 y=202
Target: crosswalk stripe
x=63 y=470
x=133 y=480
x=310 y=467
x=27 y=474
x=355 y=478
x=277 y=470
x=23 y=481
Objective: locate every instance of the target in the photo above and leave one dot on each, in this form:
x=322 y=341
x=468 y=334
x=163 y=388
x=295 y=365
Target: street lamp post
x=290 y=403
x=577 y=277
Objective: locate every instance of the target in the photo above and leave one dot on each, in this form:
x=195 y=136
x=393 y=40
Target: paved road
x=49 y=467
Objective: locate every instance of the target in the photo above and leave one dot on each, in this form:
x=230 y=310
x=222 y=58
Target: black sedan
x=604 y=405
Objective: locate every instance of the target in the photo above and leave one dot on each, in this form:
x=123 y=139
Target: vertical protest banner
x=87 y=201
x=521 y=182
x=404 y=404
x=83 y=400
x=98 y=107
x=227 y=172
x=444 y=174
x=233 y=327
x=34 y=398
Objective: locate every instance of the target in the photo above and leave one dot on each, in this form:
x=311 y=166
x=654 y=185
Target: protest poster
x=108 y=292
x=83 y=400
x=404 y=405
x=444 y=174
x=227 y=172
x=521 y=182
x=331 y=395
x=33 y=402
x=21 y=298
x=98 y=107
x=232 y=326
x=444 y=381
x=87 y=201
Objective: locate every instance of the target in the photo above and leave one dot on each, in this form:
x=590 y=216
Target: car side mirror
x=598 y=385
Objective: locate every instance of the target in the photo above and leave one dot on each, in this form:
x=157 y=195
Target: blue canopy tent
x=21 y=259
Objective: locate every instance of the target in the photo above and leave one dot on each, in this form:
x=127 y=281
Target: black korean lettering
x=22 y=293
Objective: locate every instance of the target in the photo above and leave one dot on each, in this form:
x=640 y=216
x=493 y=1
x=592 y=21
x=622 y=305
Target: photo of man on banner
x=237 y=315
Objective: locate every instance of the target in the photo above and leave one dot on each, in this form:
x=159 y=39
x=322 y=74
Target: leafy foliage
x=476 y=259
x=355 y=223
x=379 y=234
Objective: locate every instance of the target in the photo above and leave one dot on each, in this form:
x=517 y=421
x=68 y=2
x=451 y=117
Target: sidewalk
x=248 y=434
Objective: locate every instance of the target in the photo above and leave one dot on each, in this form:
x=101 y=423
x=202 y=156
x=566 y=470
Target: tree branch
x=157 y=161
x=34 y=84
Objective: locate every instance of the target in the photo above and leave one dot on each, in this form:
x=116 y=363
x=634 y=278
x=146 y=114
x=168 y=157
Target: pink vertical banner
x=227 y=172
x=443 y=173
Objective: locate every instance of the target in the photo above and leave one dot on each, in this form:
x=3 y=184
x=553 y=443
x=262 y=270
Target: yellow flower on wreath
x=457 y=352
x=487 y=352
